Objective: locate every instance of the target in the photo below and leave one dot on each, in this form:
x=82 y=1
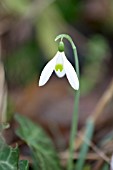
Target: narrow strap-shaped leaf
x=84 y=149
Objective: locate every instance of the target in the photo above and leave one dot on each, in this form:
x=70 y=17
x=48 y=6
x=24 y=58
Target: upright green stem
x=76 y=105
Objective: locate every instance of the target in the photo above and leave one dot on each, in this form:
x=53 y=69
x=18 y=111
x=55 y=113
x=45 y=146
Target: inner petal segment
x=59 y=70
x=59 y=67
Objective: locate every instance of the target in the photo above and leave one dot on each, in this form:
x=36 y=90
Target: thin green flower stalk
x=76 y=105
x=61 y=66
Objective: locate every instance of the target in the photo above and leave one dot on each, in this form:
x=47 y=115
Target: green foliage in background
x=18 y=6
x=42 y=149
x=22 y=64
x=71 y=10
x=97 y=50
x=87 y=167
x=48 y=26
x=105 y=166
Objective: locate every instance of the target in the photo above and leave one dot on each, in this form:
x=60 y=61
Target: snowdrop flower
x=62 y=67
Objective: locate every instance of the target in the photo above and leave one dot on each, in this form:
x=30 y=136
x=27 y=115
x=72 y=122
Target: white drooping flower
x=62 y=67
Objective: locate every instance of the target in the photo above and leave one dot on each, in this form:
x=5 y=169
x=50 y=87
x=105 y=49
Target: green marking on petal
x=59 y=67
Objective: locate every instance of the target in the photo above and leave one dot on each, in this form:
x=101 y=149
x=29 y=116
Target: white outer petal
x=70 y=73
x=47 y=71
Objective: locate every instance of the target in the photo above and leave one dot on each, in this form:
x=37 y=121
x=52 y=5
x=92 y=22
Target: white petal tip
x=76 y=87
x=74 y=83
x=40 y=84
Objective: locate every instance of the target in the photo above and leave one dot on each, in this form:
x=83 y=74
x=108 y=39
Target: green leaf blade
x=9 y=158
x=42 y=149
